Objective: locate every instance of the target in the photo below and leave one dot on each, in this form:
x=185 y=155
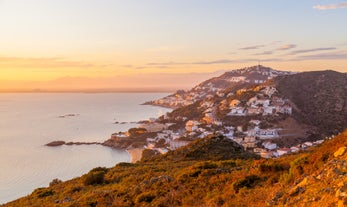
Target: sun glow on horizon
x=62 y=44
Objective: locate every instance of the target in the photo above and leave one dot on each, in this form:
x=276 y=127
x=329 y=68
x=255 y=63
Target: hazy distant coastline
x=138 y=90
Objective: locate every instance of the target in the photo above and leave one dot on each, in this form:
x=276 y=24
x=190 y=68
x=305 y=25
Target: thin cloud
x=44 y=63
x=246 y=60
x=127 y=66
x=165 y=63
x=222 y=61
x=139 y=67
x=213 y=62
x=324 y=56
x=254 y=47
x=331 y=6
x=264 y=53
x=287 y=47
x=312 y=50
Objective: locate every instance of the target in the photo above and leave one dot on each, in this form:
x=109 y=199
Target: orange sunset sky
x=155 y=45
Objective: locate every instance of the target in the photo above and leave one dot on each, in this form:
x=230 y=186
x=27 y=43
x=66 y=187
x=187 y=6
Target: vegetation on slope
x=320 y=96
x=210 y=148
x=315 y=177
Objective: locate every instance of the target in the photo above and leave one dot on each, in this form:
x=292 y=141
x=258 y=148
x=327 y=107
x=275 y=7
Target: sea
x=28 y=121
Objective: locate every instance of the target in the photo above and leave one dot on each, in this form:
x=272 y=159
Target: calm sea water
x=29 y=121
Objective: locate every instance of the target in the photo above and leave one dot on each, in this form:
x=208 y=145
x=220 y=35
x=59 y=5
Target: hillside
x=320 y=97
x=284 y=114
x=232 y=80
x=313 y=178
x=209 y=148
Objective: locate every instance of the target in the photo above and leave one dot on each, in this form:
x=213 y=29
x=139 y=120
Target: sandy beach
x=135 y=153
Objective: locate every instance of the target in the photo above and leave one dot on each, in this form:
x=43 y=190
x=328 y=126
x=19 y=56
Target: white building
x=174 y=144
x=269 y=110
x=283 y=151
x=255 y=122
x=269 y=90
x=266 y=155
x=269 y=145
x=237 y=79
x=267 y=133
x=237 y=111
x=294 y=149
x=250 y=139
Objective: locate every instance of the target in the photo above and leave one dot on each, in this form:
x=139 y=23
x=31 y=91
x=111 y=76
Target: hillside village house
x=278 y=101
x=269 y=110
x=267 y=133
x=295 y=149
x=269 y=145
x=250 y=139
x=258 y=81
x=263 y=133
x=175 y=144
x=254 y=110
x=209 y=118
x=192 y=125
x=255 y=122
x=269 y=90
x=230 y=132
x=237 y=79
x=284 y=109
x=238 y=140
x=256 y=102
x=206 y=104
x=237 y=111
x=234 y=103
x=283 y=151
x=266 y=154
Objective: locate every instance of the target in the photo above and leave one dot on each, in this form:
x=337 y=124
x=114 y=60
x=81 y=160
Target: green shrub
x=92 y=203
x=43 y=192
x=145 y=197
x=148 y=154
x=94 y=178
x=125 y=164
x=296 y=169
x=55 y=182
x=247 y=182
x=273 y=167
x=97 y=169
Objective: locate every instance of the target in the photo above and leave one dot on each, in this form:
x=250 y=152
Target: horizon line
x=92 y=91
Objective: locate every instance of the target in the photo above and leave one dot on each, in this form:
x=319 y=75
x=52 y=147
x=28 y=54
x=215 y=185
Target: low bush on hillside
x=247 y=182
x=95 y=177
x=170 y=182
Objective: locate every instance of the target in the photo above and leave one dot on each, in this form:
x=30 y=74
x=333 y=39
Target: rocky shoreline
x=164 y=105
x=60 y=143
x=134 y=152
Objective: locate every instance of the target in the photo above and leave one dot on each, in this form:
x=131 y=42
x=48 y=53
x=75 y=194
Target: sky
x=62 y=45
